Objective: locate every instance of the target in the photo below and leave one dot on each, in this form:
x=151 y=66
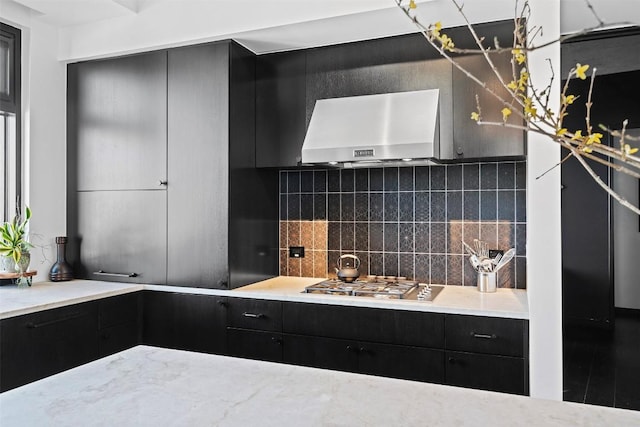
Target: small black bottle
x=61 y=270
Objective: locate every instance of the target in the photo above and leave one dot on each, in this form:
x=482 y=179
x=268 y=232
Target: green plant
x=13 y=236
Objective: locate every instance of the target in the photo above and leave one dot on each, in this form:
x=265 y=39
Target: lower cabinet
x=119 y=323
x=487 y=372
x=34 y=346
x=252 y=344
x=181 y=321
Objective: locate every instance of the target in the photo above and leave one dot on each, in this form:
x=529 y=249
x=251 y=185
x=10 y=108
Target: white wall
x=44 y=123
x=544 y=255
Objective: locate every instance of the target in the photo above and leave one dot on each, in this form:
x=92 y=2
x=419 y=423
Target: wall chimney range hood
x=362 y=131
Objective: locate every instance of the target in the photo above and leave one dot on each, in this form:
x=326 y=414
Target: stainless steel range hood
x=401 y=127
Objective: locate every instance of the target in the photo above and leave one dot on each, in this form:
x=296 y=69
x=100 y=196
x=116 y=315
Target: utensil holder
x=487 y=281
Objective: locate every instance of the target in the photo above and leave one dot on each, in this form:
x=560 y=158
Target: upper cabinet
x=393 y=64
x=119 y=117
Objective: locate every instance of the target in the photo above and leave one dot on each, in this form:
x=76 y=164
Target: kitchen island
x=148 y=386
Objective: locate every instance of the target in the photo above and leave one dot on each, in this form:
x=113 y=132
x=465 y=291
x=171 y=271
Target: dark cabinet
x=185 y=321
x=181 y=208
x=254 y=329
x=321 y=352
x=37 y=345
x=487 y=353
x=121 y=236
x=399 y=361
x=473 y=141
x=486 y=372
x=254 y=344
x=280 y=108
x=119 y=323
x=118 y=119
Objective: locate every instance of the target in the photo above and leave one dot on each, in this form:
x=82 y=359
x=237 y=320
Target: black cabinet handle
x=484 y=336
x=104 y=273
x=162 y=182
x=253 y=315
x=276 y=340
x=71 y=316
x=365 y=350
x=223 y=304
x=352 y=348
x=452 y=360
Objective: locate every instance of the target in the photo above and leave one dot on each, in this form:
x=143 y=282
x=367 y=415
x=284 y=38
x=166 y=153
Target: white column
x=544 y=255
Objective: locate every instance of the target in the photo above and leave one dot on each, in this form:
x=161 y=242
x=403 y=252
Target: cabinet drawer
x=119 y=309
x=322 y=320
x=485 y=335
x=319 y=352
x=482 y=371
x=257 y=314
x=252 y=344
x=117 y=338
x=397 y=361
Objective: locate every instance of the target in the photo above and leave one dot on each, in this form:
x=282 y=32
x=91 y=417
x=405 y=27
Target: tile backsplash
x=406 y=221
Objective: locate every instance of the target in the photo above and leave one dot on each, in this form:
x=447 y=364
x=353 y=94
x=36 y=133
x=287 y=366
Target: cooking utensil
x=348 y=273
x=505 y=259
x=469 y=249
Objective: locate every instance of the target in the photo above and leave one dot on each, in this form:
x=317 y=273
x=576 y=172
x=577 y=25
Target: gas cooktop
x=377 y=287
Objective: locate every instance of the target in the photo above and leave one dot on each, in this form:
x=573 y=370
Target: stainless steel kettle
x=348 y=273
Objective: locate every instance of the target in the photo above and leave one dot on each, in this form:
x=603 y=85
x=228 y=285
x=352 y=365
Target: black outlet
x=494 y=252
x=296 y=251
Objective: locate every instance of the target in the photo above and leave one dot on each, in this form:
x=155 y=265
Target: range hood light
x=407 y=160
x=333 y=163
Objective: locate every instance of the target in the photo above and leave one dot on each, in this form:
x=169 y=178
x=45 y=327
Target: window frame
x=11 y=112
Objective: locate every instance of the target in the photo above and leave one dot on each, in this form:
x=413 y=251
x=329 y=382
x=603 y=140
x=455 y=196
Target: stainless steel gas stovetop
x=378 y=287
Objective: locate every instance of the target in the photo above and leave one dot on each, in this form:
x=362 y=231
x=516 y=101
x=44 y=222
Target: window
x=10 y=149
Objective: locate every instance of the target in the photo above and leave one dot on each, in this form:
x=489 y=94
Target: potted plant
x=14 y=243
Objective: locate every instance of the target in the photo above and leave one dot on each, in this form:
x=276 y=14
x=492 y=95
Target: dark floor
x=603 y=367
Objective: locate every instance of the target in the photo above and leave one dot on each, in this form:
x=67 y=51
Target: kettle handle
x=357 y=260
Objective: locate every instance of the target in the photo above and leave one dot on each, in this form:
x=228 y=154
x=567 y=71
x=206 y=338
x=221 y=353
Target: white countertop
x=508 y=303
x=147 y=386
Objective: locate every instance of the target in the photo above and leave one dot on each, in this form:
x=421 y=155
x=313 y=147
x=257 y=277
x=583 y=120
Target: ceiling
x=273 y=25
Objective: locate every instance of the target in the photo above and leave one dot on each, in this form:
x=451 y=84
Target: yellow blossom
x=512 y=85
x=522 y=81
x=475 y=116
x=447 y=43
x=577 y=135
x=436 y=28
x=561 y=131
x=412 y=4
x=587 y=149
x=581 y=70
x=519 y=55
x=594 y=137
x=529 y=108
x=628 y=150
x=506 y=112
x=568 y=100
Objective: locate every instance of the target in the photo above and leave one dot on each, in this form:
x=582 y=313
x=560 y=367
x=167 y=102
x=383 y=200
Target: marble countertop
x=507 y=303
x=148 y=386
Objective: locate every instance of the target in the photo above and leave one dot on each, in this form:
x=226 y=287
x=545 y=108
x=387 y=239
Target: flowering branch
x=529 y=105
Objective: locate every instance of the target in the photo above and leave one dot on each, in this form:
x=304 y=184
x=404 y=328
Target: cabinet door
x=318 y=352
x=185 y=321
x=410 y=363
x=198 y=172
x=280 y=108
x=252 y=344
x=37 y=345
x=117 y=122
x=264 y=315
x=486 y=372
x=489 y=335
x=122 y=236
x=119 y=322
x=473 y=141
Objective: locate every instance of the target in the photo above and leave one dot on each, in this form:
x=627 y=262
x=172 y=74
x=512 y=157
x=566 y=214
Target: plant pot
x=23 y=263
x=7 y=264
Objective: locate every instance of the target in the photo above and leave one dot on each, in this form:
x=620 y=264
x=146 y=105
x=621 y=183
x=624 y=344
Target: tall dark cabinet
x=190 y=217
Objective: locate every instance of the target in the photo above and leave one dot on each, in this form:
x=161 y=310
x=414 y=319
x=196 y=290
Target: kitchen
x=44 y=190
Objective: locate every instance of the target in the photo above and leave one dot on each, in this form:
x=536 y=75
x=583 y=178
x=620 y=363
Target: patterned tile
x=332 y=258
x=471 y=176
x=306 y=234
x=376 y=207
x=283 y=182
x=521 y=240
x=422 y=178
x=293 y=180
x=423 y=206
x=488 y=205
x=320 y=235
x=438 y=206
x=455 y=237
x=438 y=178
x=284 y=231
x=422 y=237
x=376 y=264
x=362 y=207
x=293 y=266
x=521 y=272
x=319 y=206
x=454 y=205
x=390 y=179
x=347 y=236
x=376 y=179
x=306 y=206
x=333 y=207
x=362 y=179
x=507 y=175
x=293 y=206
x=391 y=207
x=406 y=266
x=454 y=177
x=471 y=205
x=488 y=176
x=284 y=270
x=293 y=233
x=405 y=201
x=521 y=175
x=507 y=205
x=405 y=179
x=283 y=207
x=423 y=268
x=364 y=263
x=489 y=234
x=438 y=238
x=390 y=264
x=454 y=270
x=470 y=231
x=347 y=207
x=306 y=265
x=319 y=264
x=506 y=275
x=406 y=238
x=319 y=181
x=439 y=269
x=470 y=276
x=506 y=235
x=333 y=181
x=362 y=236
x=521 y=206
x=333 y=234
x=306 y=182
x=347 y=180
x=391 y=237
x=376 y=236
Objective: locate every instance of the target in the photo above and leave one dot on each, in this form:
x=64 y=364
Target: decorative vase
x=7 y=264
x=23 y=263
x=61 y=271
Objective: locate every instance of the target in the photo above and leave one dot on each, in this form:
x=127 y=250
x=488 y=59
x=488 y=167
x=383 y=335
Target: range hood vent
x=401 y=127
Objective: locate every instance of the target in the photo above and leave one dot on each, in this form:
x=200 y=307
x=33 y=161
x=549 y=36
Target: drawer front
x=320 y=352
x=485 y=335
x=413 y=328
x=322 y=320
x=482 y=371
x=119 y=309
x=252 y=344
x=396 y=361
x=117 y=338
x=255 y=314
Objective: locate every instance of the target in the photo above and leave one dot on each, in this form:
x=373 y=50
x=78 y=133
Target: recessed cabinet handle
x=484 y=336
x=253 y=315
x=352 y=348
x=104 y=273
x=32 y=325
x=276 y=340
x=222 y=303
x=162 y=182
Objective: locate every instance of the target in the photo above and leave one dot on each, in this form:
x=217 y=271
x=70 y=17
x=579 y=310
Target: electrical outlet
x=494 y=252
x=296 y=251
